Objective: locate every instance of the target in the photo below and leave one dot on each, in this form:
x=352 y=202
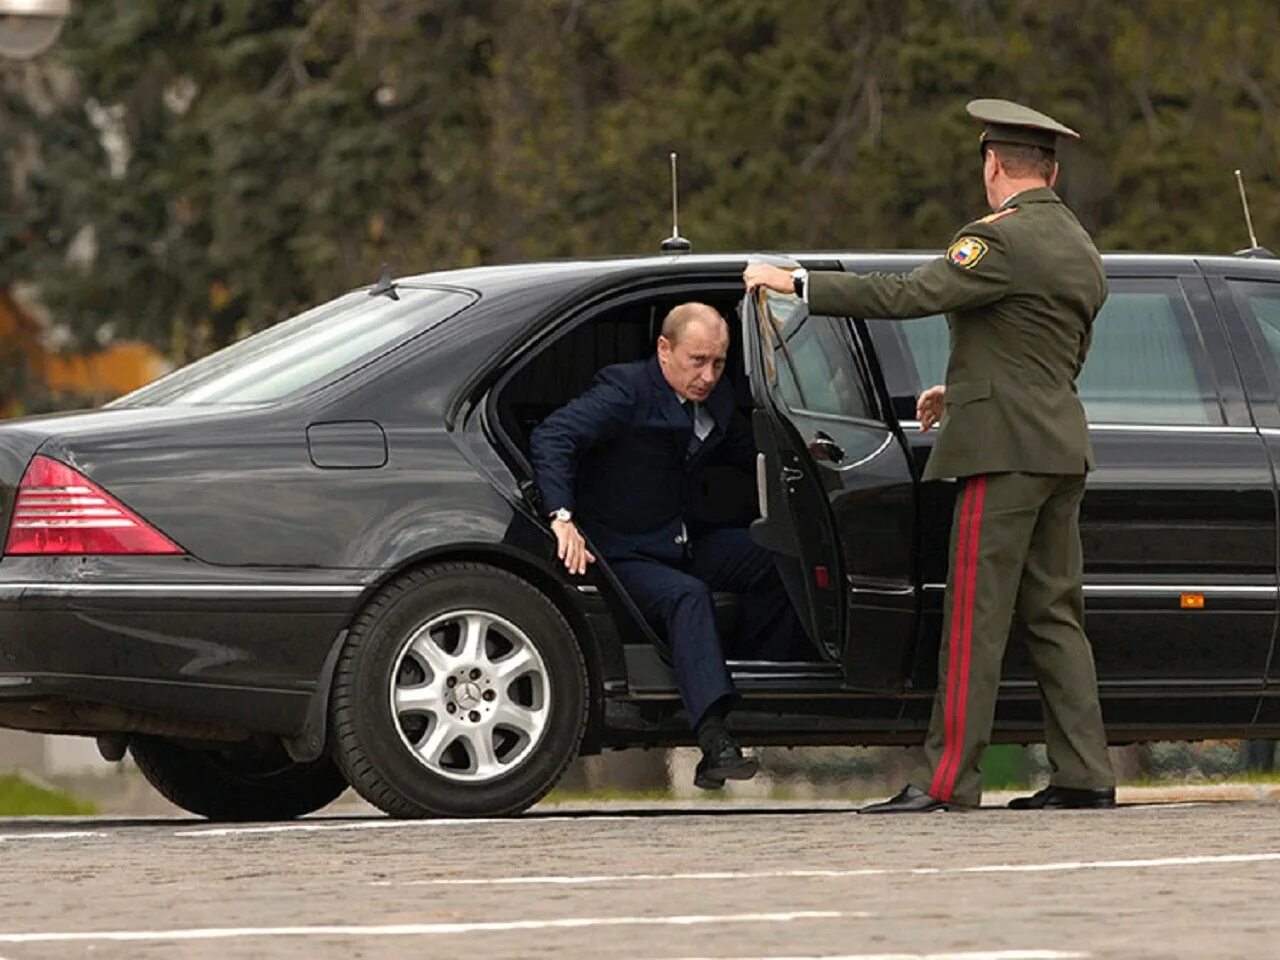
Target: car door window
x=1260 y=304
x=1145 y=364
x=929 y=343
x=814 y=364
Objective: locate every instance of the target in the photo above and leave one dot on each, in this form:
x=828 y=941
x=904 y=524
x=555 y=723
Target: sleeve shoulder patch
x=967 y=251
x=999 y=215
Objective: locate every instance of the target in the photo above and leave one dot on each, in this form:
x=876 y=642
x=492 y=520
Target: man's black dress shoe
x=724 y=761
x=1067 y=798
x=910 y=800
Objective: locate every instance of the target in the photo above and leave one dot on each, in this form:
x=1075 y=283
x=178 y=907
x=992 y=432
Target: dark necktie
x=691 y=411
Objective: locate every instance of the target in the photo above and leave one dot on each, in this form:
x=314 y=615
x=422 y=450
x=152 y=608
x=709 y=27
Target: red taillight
x=58 y=510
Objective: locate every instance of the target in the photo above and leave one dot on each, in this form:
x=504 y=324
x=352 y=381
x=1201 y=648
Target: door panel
x=1181 y=501
x=794 y=523
x=1250 y=309
x=1173 y=513
x=871 y=496
x=826 y=453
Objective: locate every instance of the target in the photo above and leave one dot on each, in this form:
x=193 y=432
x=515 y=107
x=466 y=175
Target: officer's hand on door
x=571 y=547
x=929 y=406
x=767 y=275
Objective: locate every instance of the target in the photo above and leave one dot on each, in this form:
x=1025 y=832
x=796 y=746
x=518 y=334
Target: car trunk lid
x=22 y=439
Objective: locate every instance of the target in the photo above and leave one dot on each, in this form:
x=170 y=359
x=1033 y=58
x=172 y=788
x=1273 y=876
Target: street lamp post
x=29 y=27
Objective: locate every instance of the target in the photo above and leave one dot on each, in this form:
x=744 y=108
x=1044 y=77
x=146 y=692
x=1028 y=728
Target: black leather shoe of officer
x=723 y=760
x=910 y=800
x=1067 y=798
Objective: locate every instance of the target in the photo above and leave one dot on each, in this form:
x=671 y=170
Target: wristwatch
x=799 y=276
x=564 y=515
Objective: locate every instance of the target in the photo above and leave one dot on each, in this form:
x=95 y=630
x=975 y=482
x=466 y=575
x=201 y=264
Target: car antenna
x=384 y=285
x=675 y=243
x=1255 y=251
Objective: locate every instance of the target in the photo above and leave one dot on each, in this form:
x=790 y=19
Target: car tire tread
x=204 y=782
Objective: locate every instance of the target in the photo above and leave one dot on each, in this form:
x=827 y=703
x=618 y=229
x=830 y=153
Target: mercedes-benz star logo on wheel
x=468 y=695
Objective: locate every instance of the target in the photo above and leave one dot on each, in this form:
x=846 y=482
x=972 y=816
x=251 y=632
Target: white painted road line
x=568 y=880
x=425 y=929
x=379 y=824
x=51 y=835
x=970 y=955
x=324 y=827
x=524 y=823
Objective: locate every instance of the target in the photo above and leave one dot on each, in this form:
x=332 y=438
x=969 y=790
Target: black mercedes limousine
x=316 y=559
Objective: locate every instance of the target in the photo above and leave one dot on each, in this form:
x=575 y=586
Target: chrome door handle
x=822 y=447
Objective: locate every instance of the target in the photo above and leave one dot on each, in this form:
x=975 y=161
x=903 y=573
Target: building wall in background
x=49 y=755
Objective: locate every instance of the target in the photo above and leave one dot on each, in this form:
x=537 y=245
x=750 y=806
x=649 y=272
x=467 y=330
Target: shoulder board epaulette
x=999 y=215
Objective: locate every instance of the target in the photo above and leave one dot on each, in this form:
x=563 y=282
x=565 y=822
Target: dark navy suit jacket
x=618 y=457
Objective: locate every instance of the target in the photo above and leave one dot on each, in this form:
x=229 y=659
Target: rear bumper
x=167 y=638
x=77 y=704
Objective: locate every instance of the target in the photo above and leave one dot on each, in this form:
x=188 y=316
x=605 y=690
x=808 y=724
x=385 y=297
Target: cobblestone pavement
x=731 y=879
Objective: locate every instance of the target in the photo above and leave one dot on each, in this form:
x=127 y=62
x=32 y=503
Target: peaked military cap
x=1008 y=122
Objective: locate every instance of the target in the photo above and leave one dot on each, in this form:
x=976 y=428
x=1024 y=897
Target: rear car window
x=304 y=352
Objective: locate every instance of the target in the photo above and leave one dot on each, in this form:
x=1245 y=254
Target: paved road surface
x=658 y=881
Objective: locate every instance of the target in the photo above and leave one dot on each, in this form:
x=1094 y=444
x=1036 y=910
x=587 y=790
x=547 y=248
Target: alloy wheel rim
x=470 y=696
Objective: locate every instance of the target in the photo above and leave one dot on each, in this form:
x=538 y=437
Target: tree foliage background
x=186 y=172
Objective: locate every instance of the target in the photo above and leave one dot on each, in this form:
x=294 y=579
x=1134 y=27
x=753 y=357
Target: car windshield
x=305 y=351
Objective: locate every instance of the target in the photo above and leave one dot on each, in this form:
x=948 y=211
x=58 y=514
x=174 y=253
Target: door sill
x=651 y=678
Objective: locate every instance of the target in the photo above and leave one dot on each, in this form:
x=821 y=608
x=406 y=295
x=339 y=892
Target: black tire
x=239 y=781
x=374 y=746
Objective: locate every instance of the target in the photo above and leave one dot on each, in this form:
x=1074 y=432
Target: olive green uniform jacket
x=1020 y=289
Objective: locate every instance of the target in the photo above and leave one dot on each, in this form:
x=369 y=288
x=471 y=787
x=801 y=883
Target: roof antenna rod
x=1248 y=220
x=675 y=243
x=1255 y=252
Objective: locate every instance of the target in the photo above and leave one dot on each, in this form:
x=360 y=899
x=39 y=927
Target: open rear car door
x=837 y=492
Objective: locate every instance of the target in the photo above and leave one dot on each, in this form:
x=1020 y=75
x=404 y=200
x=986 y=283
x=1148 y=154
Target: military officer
x=1020 y=287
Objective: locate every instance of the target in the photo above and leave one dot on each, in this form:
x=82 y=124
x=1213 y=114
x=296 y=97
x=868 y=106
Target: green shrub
x=23 y=796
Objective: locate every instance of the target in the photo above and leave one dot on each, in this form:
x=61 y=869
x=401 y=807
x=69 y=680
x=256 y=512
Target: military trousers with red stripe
x=1015 y=548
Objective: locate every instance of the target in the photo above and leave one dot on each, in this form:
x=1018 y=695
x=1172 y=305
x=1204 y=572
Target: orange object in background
x=81 y=377
x=122 y=367
x=1193 y=601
